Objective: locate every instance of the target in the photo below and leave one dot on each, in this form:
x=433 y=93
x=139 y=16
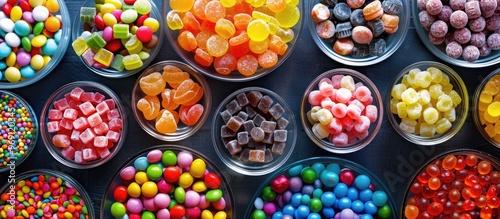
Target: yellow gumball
x=37 y=62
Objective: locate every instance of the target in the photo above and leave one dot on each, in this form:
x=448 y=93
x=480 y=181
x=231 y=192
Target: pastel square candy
x=94 y=120
x=113 y=113
x=87 y=14
x=55 y=114
x=117 y=63
x=110 y=103
x=80 y=123
x=258 y=119
x=79 y=46
x=280 y=135
x=87 y=136
x=87 y=97
x=254 y=97
x=244 y=155
x=242 y=138
x=53 y=126
x=268 y=126
x=98 y=97
x=225 y=132
x=113 y=136
x=268 y=138
x=233 y=147
x=68 y=152
x=71 y=114
x=87 y=108
x=103 y=152
x=278 y=147
x=121 y=31
x=89 y=154
x=233 y=107
x=100 y=141
x=102 y=108
x=257 y=156
x=250 y=111
x=101 y=129
x=104 y=57
x=282 y=123
x=115 y=124
x=265 y=103
x=76 y=93
x=235 y=123
x=78 y=157
x=66 y=124
x=132 y=61
x=88 y=57
x=95 y=41
x=248 y=125
x=276 y=111
x=225 y=115
x=75 y=135
x=242 y=100
x=243 y=115
x=61 y=104
x=133 y=45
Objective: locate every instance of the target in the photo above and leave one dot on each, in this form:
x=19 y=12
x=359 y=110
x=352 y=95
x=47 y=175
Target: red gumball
x=25 y=5
x=346 y=176
x=144 y=34
x=177 y=212
x=171 y=174
x=212 y=181
x=280 y=184
x=120 y=194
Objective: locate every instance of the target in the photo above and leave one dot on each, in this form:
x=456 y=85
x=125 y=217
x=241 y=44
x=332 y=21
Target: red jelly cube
x=68 y=153
x=74 y=104
x=113 y=114
x=94 y=120
x=76 y=93
x=89 y=154
x=103 y=152
x=113 y=136
x=102 y=108
x=55 y=114
x=100 y=141
x=70 y=114
x=98 y=98
x=110 y=103
x=78 y=157
x=87 y=136
x=101 y=129
x=66 y=124
x=87 y=108
x=61 y=104
x=75 y=135
x=80 y=123
x=115 y=124
x=53 y=126
x=61 y=140
x=87 y=96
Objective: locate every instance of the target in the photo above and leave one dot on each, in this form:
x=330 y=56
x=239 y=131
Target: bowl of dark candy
x=233 y=41
x=460 y=183
x=358 y=32
x=117 y=40
x=254 y=131
x=26 y=54
x=458 y=32
x=168 y=175
x=45 y=192
x=322 y=187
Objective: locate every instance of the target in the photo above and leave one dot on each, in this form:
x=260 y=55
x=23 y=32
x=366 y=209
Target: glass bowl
x=290 y=34
x=19 y=132
x=440 y=50
x=393 y=41
x=74 y=192
x=486 y=97
x=336 y=176
x=64 y=34
x=144 y=164
x=456 y=119
x=275 y=151
x=97 y=133
x=356 y=139
x=80 y=26
x=455 y=170
x=183 y=130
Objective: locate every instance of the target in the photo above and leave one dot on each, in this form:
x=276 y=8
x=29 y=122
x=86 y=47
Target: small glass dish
x=169 y=158
x=19 y=132
x=235 y=76
x=99 y=112
x=183 y=131
x=278 y=151
x=78 y=199
x=440 y=50
x=481 y=101
x=356 y=143
x=455 y=170
x=320 y=170
x=65 y=31
x=393 y=41
x=79 y=27
x=459 y=116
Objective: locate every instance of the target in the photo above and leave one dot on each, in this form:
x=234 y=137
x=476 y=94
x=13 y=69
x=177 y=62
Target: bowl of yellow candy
x=486 y=107
x=257 y=39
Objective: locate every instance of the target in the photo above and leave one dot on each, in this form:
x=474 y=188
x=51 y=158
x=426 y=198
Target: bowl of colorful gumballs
x=341 y=110
x=19 y=130
x=461 y=183
x=83 y=124
x=233 y=40
x=427 y=103
x=171 y=100
x=117 y=39
x=45 y=193
x=358 y=32
x=485 y=107
x=34 y=40
x=459 y=32
x=322 y=187
x=168 y=181
x=254 y=131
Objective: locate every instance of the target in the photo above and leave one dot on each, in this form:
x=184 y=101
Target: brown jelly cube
x=225 y=115
x=268 y=138
x=242 y=138
x=243 y=115
x=250 y=111
x=276 y=111
x=233 y=147
x=265 y=103
x=260 y=146
x=234 y=123
x=258 y=119
x=233 y=107
x=254 y=97
x=244 y=155
x=257 y=134
x=268 y=156
x=251 y=143
x=225 y=132
x=282 y=123
x=268 y=126
x=280 y=135
x=257 y=156
x=242 y=100
x=226 y=140
x=248 y=125
x=278 y=147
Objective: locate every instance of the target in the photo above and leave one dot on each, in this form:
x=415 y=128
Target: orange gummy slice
x=203 y=58
x=149 y=106
x=187 y=41
x=186 y=91
x=166 y=123
x=199 y=94
x=152 y=84
x=167 y=99
x=190 y=115
x=241 y=21
x=174 y=113
x=268 y=59
x=174 y=79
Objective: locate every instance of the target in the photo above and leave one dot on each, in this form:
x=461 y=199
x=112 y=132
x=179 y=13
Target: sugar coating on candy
x=433 y=6
x=392 y=6
x=357 y=18
x=342 y=11
x=445 y=13
x=472 y=9
x=439 y=28
x=426 y=19
x=478 y=39
x=493 y=41
x=454 y=49
x=477 y=25
x=462 y=35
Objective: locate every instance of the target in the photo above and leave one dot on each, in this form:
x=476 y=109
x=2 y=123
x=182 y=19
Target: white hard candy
x=7 y=25
x=40 y=13
x=12 y=40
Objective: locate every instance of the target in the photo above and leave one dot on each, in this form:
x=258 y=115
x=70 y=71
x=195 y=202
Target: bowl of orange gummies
x=254 y=42
x=171 y=100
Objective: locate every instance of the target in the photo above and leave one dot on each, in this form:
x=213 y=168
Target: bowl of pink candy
x=322 y=187
x=168 y=181
x=83 y=124
x=117 y=39
x=341 y=110
x=34 y=40
x=461 y=33
x=233 y=40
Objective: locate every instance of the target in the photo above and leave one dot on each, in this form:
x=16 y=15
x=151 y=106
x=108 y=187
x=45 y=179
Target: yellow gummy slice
x=409 y=96
x=450 y=115
x=455 y=97
x=442 y=126
x=414 y=110
x=79 y=45
x=181 y=5
x=427 y=130
x=436 y=74
x=408 y=125
x=258 y=30
x=436 y=90
x=174 y=21
x=397 y=90
x=444 y=103
x=423 y=79
x=494 y=109
x=288 y=17
x=490 y=130
x=401 y=109
x=424 y=97
x=485 y=97
x=431 y=115
x=394 y=107
x=489 y=118
x=491 y=87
